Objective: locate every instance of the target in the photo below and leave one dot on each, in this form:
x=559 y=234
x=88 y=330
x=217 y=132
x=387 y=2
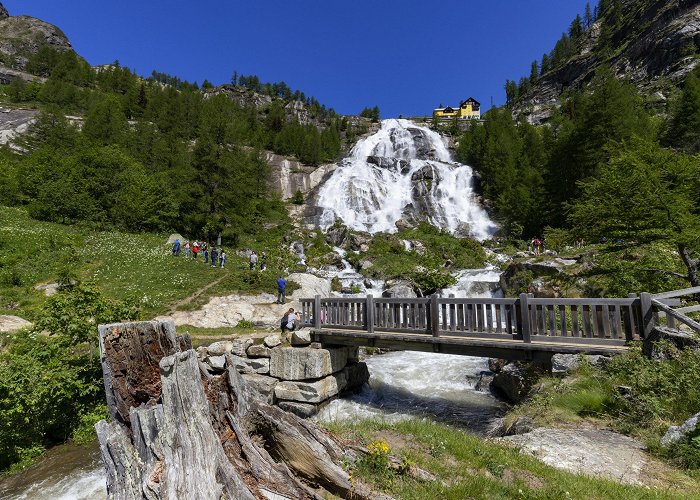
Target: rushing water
x=403 y=171
x=67 y=473
x=418 y=384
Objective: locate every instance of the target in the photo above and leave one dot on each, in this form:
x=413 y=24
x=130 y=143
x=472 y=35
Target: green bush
x=51 y=377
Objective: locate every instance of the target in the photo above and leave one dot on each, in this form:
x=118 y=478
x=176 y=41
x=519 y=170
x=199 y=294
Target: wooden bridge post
x=317 y=312
x=647 y=315
x=369 y=313
x=434 y=315
x=525 y=318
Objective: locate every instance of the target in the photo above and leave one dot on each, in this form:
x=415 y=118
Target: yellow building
x=467 y=110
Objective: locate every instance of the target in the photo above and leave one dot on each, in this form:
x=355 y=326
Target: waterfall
x=403 y=171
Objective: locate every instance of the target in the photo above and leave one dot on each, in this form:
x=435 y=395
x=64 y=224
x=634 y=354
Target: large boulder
x=400 y=290
x=336 y=234
x=302 y=363
x=311 y=391
x=514 y=382
x=301 y=338
x=356 y=376
x=12 y=324
x=220 y=348
x=258 y=351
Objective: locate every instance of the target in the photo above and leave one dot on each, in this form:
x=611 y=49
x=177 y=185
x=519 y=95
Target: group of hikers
x=217 y=257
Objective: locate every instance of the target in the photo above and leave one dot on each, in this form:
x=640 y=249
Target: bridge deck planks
x=469 y=344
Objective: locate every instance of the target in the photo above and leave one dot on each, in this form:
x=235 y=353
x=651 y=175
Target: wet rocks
x=514 y=381
x=563 y=364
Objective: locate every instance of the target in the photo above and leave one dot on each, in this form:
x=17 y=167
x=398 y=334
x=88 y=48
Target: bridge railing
x=583 y=321
x=600 y=321
x=659 y=306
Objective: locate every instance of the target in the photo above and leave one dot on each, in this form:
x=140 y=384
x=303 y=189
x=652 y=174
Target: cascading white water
x=438 y=386
x=404 y=170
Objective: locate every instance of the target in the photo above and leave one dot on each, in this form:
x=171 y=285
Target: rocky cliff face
x=655 y=46
x=23 y=36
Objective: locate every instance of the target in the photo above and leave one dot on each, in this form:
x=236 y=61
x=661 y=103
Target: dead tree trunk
x=178 y=432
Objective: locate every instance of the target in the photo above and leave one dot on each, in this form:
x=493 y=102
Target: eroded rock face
x=23 y=36
x=3 y=12
x=302 y=363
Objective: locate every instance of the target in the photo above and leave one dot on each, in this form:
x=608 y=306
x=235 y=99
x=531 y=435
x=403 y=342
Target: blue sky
x=406 y=56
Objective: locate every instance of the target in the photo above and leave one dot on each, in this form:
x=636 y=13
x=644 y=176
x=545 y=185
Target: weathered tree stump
x=179 y=432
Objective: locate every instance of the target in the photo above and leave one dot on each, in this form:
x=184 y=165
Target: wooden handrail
x=676 y=315
x=677 y=293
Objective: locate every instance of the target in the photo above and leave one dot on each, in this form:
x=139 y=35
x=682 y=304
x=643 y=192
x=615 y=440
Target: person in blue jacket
x=281 y=290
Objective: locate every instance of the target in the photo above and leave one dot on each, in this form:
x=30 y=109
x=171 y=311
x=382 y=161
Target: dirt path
x=194 y=296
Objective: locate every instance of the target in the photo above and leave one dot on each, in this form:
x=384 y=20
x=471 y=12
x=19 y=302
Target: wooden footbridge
x=522 y=328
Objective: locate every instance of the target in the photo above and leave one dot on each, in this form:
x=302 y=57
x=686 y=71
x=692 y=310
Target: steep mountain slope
x=651 y=43
x=23 y=36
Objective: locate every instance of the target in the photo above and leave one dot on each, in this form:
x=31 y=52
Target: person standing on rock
x=214 y=257
x=253 y=260
x=281 y=290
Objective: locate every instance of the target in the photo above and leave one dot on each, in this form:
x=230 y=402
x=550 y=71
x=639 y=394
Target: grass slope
x=467 y=466
x=136 y=268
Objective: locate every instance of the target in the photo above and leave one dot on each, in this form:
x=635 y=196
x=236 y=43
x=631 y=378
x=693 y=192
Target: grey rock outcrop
x=23 y=36
x=677 y=433
x=586 y=451
x=272 y=341
x=336 y=234
x=657 y=40
x=3 y=12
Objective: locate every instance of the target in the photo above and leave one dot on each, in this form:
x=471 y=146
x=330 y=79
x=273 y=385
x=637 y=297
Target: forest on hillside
x=154 y=154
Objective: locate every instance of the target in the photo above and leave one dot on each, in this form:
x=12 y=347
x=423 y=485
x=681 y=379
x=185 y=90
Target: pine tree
x=588 y=17
x=534 y=72
x=683 y=130
x=545 y=65
x=576 y=28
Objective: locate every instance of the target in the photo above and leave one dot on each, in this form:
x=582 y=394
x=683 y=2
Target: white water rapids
x=403 y=171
